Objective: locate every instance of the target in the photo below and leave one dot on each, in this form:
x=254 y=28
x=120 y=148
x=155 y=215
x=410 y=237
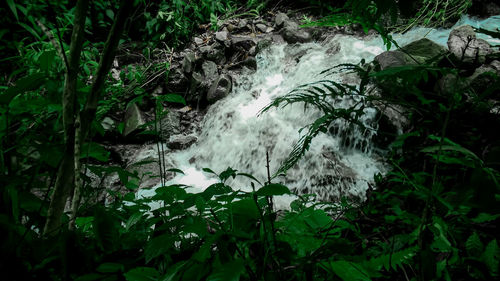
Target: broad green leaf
x=28 y=83
x=215 y=189
x=230 y=271
x=174 y=98
x=95 y=151
x=208 y=170
x=491 y=257
x=110 y=267
x=273 y=189
x=175 y=171
x=158 y=246
x=246 y=208
x=349 y=271
x=249 y=176
x=484 y=217
x=134 y=218
x=142 y=274
x=229 y=172
x=460 y=149
x=110 y=14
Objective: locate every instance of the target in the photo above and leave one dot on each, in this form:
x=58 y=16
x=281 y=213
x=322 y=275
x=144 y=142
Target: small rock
x=292 y=33
x=220 y=88
x=170 y=124
x=184 y=109
x=242 y=24
x=263 y=44
x=108 y=124
x=181 y=141
x=245 y=42
x=209 y=69
x=250 y=62
x=262 y=27
x=231 y=27
x=198 y=40
x=221 y=36
x=483 y=77
x=280 y=19
x=253 y=51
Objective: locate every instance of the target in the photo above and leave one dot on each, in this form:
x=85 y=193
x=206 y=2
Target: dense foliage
x=433 y=217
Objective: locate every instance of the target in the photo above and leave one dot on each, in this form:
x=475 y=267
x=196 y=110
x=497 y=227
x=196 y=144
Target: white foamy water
x=234 y=136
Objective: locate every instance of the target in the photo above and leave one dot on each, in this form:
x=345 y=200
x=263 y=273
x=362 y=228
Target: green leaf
x=460 y=149
x=273 y=189
x=158 y=246
x=484 y=217
x=110 y=267
x=491 y=257
x=474 y=245
x=110 y=14
x=175 y=171
x=46 y=59
x=349 y=271
x=229 y=172
x=208 y=170
x=174 y=98
x=95 y=151
x=142 y=274
x=134 y=218
x=12 y=7
x=245 y=207
x=230 y=271
x=28 y=83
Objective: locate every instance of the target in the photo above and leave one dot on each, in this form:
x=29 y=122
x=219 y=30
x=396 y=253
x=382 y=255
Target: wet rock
x=263 y=44
x=448 y=84
x=108 y=124
x=214 y=52
x=292 y=33
x=177 y=81
x=242 y=23
x=209 y=69
x=188 y=62
x=250 y=62
x=181 y=141
x=134 y=120
x=280 y=19
x=466 y=48
x=417 y=52
x=219 y=89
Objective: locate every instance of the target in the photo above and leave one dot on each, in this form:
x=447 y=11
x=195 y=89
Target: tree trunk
x=65 y=175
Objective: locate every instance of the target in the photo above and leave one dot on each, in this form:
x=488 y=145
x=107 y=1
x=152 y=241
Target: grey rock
x=262 y=27
x=108 y=124
x=134 y=120
x=221 y=35
x=253 y=51
x=495 y=64
x=220 y=88
x=170 y=124
x=242 y=23
x=209 y=69
x=245 y=42
x=198 y=40
x=231 y=27
x=188 y=62
x=483 y=77
x=292 y=33
x=250 y=62
x=449 y=84
x=181 y=141
x=280 y=19
x=466 y=48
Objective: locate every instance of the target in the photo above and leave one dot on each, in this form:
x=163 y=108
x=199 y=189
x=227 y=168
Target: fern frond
x=394 y=260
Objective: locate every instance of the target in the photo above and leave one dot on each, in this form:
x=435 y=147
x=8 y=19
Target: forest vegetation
x=433 y=216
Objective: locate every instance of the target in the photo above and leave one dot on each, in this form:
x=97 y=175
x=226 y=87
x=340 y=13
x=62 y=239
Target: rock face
x=181 y=141
x=292 y=33
x=134 y=120
x=219 y=89
x=418 y=52
x=466 y=48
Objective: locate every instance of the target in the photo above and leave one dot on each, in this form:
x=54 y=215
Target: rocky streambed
x=228 y=76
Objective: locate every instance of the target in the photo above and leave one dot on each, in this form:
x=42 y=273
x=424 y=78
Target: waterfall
x=233 y=134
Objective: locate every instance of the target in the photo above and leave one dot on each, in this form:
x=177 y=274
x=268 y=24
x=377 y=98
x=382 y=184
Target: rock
x=280 y=19
x=262 y=27
x=292 y=33
x=420 y=51
x=209 y=69
x=252 y=51
x=449 y=84
x=188 y=62
x=495 y=64
x=170 y=124
x=231 y=27
x=220 y=88
x=221 y=36
x=242 y=23
x=108 y=124
x=181 y=141
x=134 y=120
x=466 y=48
x=214 y=52
x=198 y=40
x=250 y=62
x=244 y=42
x=483 y=77
x=263 y=44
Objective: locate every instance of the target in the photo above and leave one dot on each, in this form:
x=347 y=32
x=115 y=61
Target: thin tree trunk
x=65 y=175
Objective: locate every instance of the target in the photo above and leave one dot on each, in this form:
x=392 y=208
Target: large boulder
x=219 y=89
x=181 y=141
x=418 y=52
x=466 y=48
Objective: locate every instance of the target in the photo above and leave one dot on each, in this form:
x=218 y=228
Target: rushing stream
x=234 y=136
